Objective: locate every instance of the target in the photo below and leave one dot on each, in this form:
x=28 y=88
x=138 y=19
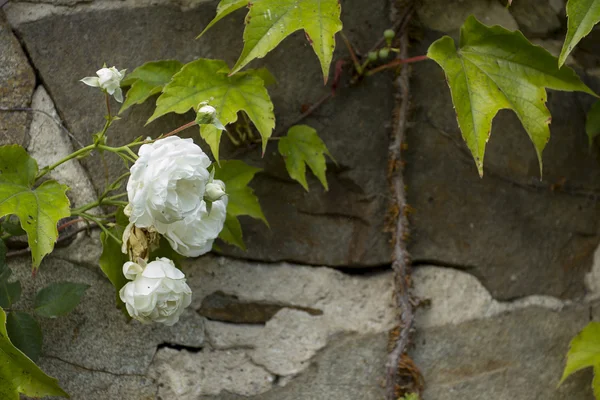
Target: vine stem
x=27 y=250
x=396 y=63
x=401 y=260
x=181 y=128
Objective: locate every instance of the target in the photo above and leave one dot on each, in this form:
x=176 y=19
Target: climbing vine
x=175 y=201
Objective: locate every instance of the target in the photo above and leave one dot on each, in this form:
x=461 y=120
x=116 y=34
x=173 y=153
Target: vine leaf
x=301 y=147
x=592 y=123
x=209 y=80
x=224 y=8
x=584 y=352
x=21 y=374
x=25 y=333
x=237 y=175
x=58 y=299
x=495 y=69
x=582 y=16
x=39 y=209
x=112 y=259
x=147 y=80
x=270 y=21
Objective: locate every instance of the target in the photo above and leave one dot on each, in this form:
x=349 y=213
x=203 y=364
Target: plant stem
x=108 y=105
x=396 y=63
x=71 y=156
x=181 y=128
x=357 y=65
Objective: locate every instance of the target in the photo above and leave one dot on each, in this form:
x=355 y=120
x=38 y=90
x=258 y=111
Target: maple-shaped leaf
x=582 y=16
x=18 y=374
x=208 y=80
x=270 y=21
x=584 y=352
x=39 y=209
x=147 y=80
x=493 y=69
x=236 y=175
x=301 y=147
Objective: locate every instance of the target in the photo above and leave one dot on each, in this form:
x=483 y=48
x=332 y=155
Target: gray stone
x=516 y=356
x=341 y=227
x=439 y=16
x=517 y=234
x=17 y=82
x=49 y=143
x=536 y=18
x=350 y=368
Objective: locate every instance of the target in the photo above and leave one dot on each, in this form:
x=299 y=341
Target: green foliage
x=10 y=292
x=301 y=147
x=112 y=259
x=237 y=175
x=494 y=69
x=583 y=15
x=38 y=209
x=584 y=352
x=18 y=374
x=270 y=21
x=25 y=333
x=410 y=396
x=58 y=299
x=592 y=124
x=11 y=226
x=147 y=80
x=209 y=80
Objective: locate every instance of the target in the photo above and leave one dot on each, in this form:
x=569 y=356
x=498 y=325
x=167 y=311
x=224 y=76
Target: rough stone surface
x=437 y=15
x=536 y=18
x=17 y=82
x=49 y=143
x=341 y=227
x=516 y=356
x=518 y=235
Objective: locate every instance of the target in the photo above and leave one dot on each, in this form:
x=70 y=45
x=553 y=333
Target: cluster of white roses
x=171 y=193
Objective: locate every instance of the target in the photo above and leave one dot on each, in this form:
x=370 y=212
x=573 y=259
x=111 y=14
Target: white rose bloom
x=157 y=291
x=167 y=182
x=195 y=235
x=109 y=79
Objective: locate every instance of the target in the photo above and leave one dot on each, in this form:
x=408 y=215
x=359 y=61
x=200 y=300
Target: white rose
x=157 y=292
x=195 y=235
x=109 y=80
x=167 y=182
x=207 y=115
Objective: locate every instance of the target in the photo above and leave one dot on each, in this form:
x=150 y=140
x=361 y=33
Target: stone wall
x=506 y=261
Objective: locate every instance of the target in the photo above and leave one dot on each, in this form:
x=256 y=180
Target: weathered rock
x=516 y=356
x=350 y=368
x=536 y=18
x=437 y=15
x=17 y=82
x=341 y=227
x=49 y=143
x=518 y=235
x=219 y=306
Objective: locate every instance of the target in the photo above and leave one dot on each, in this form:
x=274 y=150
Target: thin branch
x=396 y=63
x=181 y=128
x=61 y=239
x=400 y=256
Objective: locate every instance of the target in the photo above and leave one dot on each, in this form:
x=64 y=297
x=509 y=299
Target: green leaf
x=494 y=69
x=112 y=259
x=224 y=8
x=302 y=146
x=208 y=80
x=11 y=226
x=25 y=333
x=596 y=381
x=270 y=21
x=58 y=299
x=584 y=350
x=237 y=175
x=232 y=232
x=592 y=124
x=147 y=80
x=10 y=293
x=583 y=15
x=38 y=209
x=18 y=374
